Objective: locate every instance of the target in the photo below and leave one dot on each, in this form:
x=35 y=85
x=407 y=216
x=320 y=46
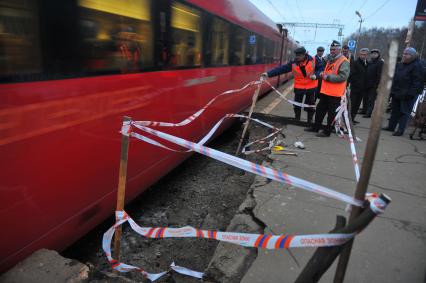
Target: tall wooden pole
x=121 y=192
x=253 y=104
x=410 y=32
x=370 y=152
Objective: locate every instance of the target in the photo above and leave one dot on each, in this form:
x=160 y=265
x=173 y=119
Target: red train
x=71 y=69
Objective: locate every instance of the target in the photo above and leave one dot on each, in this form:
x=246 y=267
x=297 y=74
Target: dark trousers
x=318 y=89
x=401 y=113
x=309 y=95
x=364 y=102
x=356 y=98
x=372 y=95
x=327 y=105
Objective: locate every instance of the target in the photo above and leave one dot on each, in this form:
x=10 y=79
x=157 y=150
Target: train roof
x=242 y=13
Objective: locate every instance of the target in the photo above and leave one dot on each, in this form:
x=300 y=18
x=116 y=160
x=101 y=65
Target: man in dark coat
x=319 y=65
x=406 y=86
x=358 y=81
x=374 y=72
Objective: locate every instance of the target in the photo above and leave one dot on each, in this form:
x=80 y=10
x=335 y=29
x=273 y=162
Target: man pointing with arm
x=305 y=74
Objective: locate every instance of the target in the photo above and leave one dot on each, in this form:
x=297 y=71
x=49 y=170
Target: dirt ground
x=201 y=192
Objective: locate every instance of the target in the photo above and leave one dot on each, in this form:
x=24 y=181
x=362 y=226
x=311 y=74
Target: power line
x=298 y=8
x=365 y=1
x=378 y=9
x=276 y=10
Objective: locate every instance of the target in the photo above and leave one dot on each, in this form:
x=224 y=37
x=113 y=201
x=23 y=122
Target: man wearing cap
x=347 y=53
x=333 y=87
x=320 y=63
x=407 y=84
x=374 y=72
x=305 y=73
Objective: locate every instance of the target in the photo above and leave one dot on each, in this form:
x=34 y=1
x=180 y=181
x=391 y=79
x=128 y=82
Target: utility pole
x=359 y=31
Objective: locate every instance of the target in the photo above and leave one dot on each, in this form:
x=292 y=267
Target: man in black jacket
x=406 y=86
x=374 y=72
x=358 y=81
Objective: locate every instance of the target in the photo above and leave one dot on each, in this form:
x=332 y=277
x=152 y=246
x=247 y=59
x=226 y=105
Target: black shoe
x=362 y=112
x=323 y=135
x=311 y=130
x=398 y=133
x=387 y=129
x=355 y=122
x=367 y=116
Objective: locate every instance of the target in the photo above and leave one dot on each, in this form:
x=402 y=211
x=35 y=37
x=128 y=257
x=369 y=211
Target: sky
x=376 y=13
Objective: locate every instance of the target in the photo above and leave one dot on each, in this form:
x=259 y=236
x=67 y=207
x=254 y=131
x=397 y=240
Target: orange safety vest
x=329 y=88
x=301 y=81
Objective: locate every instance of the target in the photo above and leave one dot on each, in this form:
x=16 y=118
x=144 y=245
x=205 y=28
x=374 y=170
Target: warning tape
x=199 y=112
x=302 y=105
x=263 y=241
x=248 y=166
x=342 y=112
x=213 y=130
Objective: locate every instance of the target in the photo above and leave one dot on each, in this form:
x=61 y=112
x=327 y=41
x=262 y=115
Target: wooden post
x=370 y=152
x=253 y=104
x=410 y=32
x=121 y=192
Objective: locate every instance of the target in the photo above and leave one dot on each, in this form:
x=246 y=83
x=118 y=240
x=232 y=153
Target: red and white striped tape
x=199 y=112
x=302 y=105
x=342 y=113
x=248 y=166
x=264 y=241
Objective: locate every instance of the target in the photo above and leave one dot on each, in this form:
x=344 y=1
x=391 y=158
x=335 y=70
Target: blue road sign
x=351 y=44
x=252 y=39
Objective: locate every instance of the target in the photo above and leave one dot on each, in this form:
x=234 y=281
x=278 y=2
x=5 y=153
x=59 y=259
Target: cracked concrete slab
x=391 y=249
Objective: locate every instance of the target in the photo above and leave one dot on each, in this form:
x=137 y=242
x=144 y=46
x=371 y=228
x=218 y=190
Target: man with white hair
x=333 y=87
x=407 y=84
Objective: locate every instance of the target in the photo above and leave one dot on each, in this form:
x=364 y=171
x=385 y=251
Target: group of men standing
x=327 y=79
x=318 y=78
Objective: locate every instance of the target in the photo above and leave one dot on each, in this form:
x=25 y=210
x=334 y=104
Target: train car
x=71 y=69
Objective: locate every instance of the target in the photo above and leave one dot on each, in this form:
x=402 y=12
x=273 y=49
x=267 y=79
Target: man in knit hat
x=407 y=84
x=333 y=87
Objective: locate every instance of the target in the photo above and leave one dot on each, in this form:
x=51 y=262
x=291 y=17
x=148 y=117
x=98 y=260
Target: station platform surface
x=391 y=249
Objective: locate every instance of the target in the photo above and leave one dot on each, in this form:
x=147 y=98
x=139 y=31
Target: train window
x=186 y=36
x=251 y=55
x=19 y=44
x=277 y=49
x=261 y=50
x=238 y=46
x=117 y=35
x=219 y=42
x=269 y=51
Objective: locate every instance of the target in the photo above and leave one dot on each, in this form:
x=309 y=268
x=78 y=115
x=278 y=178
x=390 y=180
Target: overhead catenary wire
x=276 y=10
x=377 y=10
x=362 y=6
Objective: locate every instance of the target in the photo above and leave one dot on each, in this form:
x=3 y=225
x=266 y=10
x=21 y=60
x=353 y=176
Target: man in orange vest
x=333 y=87
x=305 y=73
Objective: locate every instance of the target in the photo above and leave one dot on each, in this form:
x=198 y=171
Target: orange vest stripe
x=333 y=89
x=304 y=82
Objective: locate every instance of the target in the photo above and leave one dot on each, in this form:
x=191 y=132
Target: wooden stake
x=253 y=104
x=370 y=152
x=121 y=192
